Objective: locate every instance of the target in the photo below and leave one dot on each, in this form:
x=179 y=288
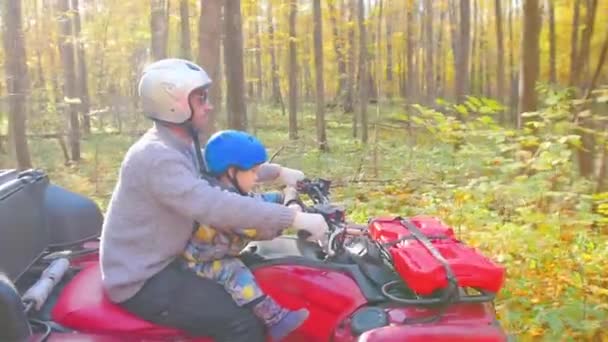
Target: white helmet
x=164 y=88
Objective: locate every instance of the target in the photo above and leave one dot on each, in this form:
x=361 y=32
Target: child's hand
x=290 y=199
x=289 y=194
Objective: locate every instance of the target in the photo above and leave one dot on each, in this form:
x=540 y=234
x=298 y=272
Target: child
x=233 y=158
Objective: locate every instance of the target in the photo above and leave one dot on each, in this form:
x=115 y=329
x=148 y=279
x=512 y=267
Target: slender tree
x=233 y=65
x=16 y=80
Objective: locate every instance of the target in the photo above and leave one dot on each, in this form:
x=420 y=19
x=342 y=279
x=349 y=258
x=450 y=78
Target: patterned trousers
x=240 y=283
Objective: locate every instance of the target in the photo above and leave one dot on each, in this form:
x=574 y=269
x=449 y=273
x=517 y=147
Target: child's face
x=246 y=179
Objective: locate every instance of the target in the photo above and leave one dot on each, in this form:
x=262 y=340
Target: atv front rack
x=451 y=294
x=391 y=289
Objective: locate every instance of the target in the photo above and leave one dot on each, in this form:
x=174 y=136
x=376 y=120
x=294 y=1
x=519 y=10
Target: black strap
x=411 y=237
x=200 y=161
x=451 y=293
x=424 y=240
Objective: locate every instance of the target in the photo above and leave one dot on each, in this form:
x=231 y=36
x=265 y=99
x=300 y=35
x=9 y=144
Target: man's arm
x=174 y=185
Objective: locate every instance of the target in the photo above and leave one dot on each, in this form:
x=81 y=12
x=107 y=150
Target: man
x=158 y=197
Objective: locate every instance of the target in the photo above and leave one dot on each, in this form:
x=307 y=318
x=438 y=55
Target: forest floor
x=553 y=243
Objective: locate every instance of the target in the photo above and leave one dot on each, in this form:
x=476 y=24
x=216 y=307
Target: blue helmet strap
x=235 y=182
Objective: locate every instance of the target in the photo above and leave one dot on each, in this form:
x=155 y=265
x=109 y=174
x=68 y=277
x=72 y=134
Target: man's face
x=200 y=108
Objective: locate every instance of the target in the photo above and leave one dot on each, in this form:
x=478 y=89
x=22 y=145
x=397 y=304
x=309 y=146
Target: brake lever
x=336 y=233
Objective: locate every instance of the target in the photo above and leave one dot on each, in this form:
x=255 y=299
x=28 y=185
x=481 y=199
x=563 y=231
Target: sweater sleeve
x=271 y=196
x=175 y=186
x=269 y=172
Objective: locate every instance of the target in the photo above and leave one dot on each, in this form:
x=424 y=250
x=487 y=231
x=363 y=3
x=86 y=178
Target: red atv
x=395 y=279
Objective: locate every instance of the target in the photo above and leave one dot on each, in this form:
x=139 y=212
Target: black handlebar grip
x=303 y=234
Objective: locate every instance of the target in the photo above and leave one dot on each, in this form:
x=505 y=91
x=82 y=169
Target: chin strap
x=235 y=184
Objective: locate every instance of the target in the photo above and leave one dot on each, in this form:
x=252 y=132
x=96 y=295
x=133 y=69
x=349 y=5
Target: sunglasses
x=204 y=98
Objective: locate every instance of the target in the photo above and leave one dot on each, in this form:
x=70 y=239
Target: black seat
x=13 y=321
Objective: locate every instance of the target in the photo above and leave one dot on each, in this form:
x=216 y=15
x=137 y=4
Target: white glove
x=313 y=223
x=289 y=194
x=290 y=177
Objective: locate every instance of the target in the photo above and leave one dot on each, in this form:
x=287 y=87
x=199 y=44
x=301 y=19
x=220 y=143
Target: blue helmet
x=233 y=148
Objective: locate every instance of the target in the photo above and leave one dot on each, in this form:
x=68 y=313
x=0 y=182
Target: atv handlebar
x=318 y=192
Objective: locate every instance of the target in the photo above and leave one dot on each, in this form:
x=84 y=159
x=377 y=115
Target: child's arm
x=271 y=196
x=270 y=172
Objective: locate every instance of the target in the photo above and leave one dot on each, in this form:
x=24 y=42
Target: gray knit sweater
x=157 y=198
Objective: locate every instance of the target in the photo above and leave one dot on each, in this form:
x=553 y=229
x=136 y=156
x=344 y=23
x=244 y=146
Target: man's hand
x=290 y=177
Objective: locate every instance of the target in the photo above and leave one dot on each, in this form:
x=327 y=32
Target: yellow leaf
x=598 y=290
x=537 y=331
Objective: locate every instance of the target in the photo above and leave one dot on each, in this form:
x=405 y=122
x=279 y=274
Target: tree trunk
x=159 y=29
x=339 y=49
x=66 y=49
x=54 y=77
x=209 y=42
x=305 y=86
x=402 y=64
x=530 y=58
x=16 y=80
x=552 y=42
x=412 y=89
x=453 y=12
x=598 y=69
x=513 y=97
x=486 y=69
x=464 y=42
x=184 y=13
x=350 y=80
x=258 y=59
x=363 y=72
x=602 y=183
x=40 y=45
x=574 y=42
x=439 y=72
x=583 y=57
x=482 y=62
x=293 y=71
x=249 y=48
x=233 y=65
x=100 y=76
x=389 y=56
x=500 y=64
x=429 y=49
x=587 y=152
x=318 y=47
x=81 y=69
x=276 y=90
x=474 y=46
